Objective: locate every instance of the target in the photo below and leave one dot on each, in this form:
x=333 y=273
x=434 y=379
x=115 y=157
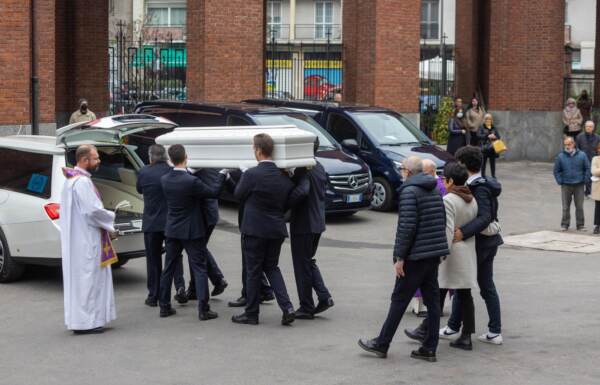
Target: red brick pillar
x=225 y=49
x=524 y=69
x=467 y=48
x=381 y=53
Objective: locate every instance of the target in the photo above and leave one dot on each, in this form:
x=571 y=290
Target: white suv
x=31 y=181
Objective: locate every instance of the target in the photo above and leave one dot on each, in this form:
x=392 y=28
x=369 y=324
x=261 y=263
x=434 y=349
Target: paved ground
x=550 y=310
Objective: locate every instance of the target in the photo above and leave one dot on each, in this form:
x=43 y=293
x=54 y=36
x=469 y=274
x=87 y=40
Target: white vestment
x=88 y=288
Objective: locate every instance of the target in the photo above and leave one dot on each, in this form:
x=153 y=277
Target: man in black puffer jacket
x=420 y=243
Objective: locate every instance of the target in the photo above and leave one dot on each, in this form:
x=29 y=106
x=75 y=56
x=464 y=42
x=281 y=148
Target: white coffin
x=231 y=147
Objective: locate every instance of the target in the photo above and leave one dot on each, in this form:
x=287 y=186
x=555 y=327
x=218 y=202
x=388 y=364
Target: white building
x=580 y=32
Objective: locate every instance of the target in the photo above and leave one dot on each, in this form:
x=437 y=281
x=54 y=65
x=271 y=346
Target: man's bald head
x=87 y=157
x=429 y=167
x=413 y=164
x=83 y=151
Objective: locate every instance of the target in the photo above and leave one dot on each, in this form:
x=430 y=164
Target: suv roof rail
x=130 y=117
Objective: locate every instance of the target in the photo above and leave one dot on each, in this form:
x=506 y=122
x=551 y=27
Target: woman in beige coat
x=475 y=115
x=572 y=118
x=596 y=189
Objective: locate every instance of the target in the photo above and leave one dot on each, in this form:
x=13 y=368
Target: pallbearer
x=87 y=251
x=306 y=226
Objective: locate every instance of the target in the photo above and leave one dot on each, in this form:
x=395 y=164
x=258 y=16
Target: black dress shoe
x=371 y=346
x=244 y=319
x=240 y=302
x=167 y=312
x=151 y=302
x=424 y=355
x=181 y=296
x=207 y=315
x=191 y=294
x=324 y=305
x=302 y=314
x=220 y=288
x=463 y=342
x=99 y=330
x=417 y=334
x=267 y=297
x=288 y=318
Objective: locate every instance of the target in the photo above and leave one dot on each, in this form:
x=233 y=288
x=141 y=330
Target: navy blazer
x=264 y=191
x=210 y=206
x=155 y=203
x=185 y=194
x=308 y=216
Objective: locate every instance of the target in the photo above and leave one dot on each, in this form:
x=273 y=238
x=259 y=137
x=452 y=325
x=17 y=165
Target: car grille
x=349 y=183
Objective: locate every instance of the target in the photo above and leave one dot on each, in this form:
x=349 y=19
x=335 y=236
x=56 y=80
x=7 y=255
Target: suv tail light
x=53 y=210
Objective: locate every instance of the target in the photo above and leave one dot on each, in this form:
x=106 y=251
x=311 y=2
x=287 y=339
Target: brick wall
x=381 y=53
x=225 y=49
x=525 y=55
x=467 y=48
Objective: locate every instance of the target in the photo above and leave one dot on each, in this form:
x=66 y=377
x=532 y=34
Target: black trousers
x=215 y=275
x=153 y=243
x=467 y=310
x=262 y=255
x=265 y=287
x=492 y=159
x=597 y=213
x=422 y=275
x=485 y=279
x=196 y=251
x=307 y=273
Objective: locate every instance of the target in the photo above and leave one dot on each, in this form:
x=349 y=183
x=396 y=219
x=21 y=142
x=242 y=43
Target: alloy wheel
x=1 y=256
x=378 y=195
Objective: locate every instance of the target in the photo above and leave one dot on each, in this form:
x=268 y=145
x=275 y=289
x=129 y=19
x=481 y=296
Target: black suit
x=186 y=229
x=265 y=191
x=210 y=210
x=153 y=225
x=306 y=225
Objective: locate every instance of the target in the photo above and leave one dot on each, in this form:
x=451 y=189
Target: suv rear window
x=26 y=172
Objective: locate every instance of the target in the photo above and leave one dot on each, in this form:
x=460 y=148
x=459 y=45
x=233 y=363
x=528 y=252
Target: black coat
x=210 y=206
x=155 y=203
x=308 y=216
x=421 y=231
x=485 y=142
x=486 y=192
x=185 y=194
x=588 y=144
x=456 y=139
x=264 y=191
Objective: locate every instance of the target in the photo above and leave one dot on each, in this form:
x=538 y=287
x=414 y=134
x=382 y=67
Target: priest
x=87 y=251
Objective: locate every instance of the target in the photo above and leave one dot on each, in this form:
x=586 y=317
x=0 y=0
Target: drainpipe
x=35 y=83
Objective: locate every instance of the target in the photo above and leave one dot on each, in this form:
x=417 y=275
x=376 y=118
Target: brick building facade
x=518 y=64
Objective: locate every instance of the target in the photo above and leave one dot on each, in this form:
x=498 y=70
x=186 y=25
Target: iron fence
x=301 y=70
x=145 y=70
x=574 y=84
x=436 y=80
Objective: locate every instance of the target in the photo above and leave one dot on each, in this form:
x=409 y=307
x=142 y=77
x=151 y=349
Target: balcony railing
x=305 y=32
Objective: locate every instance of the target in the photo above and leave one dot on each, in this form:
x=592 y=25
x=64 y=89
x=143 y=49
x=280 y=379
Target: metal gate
x=145 y=70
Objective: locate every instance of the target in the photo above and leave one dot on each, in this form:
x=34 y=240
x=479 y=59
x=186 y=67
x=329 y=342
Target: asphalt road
x=550 y=309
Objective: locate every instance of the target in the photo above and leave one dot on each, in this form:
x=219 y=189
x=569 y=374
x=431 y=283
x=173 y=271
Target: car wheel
x=120 y=263
x=382 y=195
x=9 y=269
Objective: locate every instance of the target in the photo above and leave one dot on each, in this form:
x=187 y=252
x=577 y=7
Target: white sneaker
x=448 y=334
x=489 y=338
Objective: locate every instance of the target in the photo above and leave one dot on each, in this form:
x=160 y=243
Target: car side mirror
x=351 y=145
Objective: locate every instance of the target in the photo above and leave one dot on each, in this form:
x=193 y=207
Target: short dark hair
x=83 y=151
x=177 y=154
x=264 y=143
x=457 y=172
x=471 y=157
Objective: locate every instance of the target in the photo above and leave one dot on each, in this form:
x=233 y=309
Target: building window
x=274 y=19
x=323 y=19
x=430 y=19
x=161 y=16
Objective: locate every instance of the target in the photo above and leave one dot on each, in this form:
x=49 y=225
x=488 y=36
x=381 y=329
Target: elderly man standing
x=420 y=243
x=571 y=171
x=86 y=248
x=587 y=142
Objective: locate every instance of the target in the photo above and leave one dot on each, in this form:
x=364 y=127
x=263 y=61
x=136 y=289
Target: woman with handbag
x=596 y=189
x=487 y=135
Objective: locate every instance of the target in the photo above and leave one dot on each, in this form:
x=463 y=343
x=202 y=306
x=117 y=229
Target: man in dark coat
x=486 y=192
x=588 y=141
x=186 y=229
x=307 y=223
x=153 y=223
x=265 y=191
x=420 y=243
